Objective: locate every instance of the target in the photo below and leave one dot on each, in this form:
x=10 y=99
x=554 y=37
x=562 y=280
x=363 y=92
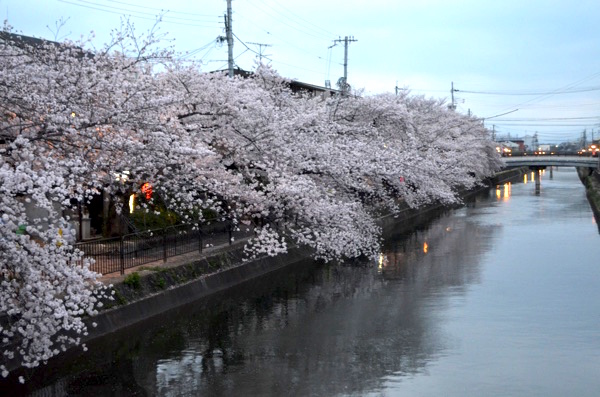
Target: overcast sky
x=539 y=56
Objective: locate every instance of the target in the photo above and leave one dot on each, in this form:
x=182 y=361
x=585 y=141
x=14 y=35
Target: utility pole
x=229 y=33
x=344 y=83
x=452 y=91
x=493 y=132
x=260 y=47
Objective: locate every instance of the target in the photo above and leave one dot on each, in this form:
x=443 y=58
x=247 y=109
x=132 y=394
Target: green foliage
x=157 y=218
x=161 y=283
x=119 y=298
x=213 y=264
x=209 y=214
x=133 y=280
x=193 y=271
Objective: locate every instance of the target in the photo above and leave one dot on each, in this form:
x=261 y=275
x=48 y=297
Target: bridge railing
x=543 y=153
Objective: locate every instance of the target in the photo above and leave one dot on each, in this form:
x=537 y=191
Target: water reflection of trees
x=347 y=328
x=446 y=253
x=335 y=329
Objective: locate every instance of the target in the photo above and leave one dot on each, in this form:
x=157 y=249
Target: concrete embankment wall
x=508 y=176
x=159 y=289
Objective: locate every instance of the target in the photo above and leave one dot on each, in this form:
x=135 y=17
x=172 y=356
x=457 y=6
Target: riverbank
x=152 y=289
x=592 y=184
x=288 y=332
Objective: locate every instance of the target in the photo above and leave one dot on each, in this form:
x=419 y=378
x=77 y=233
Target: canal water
x=498 y=298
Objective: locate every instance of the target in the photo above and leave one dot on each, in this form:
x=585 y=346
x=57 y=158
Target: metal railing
x=116 y=254
x=517 y=153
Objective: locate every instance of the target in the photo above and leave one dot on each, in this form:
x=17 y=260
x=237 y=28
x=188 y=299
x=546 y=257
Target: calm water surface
x=499 y=298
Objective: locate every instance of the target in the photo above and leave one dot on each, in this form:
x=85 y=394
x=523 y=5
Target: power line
x=159 y=9
x=301 y=30
x=295 y=66
x=255 y=25
x=416 y=89
x=270 y=13
x=502 y=114
x=226 y=64
x=295 y=16
x=543 y=124
x=138 y=14
x=572 y=91
x=553 y=119
x=260 y=47
x=248 y=48
x=293 y=45
x=199 y=49
x=559 y=90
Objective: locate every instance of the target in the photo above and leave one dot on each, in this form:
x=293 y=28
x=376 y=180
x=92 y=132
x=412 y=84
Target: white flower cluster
x=267 y=241
x=76 y=124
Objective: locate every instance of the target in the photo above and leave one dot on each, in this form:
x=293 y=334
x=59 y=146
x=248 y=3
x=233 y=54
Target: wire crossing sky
x=541 y=57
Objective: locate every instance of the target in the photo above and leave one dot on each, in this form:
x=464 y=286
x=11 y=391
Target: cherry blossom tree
x=299 y=155
x=71 y=120
x=303 y=170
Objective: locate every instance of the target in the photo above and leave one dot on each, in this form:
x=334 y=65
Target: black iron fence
x=116 y=254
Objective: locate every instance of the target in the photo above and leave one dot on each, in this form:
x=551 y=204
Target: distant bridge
x=534 y=160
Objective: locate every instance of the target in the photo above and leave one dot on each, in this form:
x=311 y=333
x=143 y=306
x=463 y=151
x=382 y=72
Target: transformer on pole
x=343 y=81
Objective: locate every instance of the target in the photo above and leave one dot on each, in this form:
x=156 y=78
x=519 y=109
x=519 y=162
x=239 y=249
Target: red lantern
x=147 y=190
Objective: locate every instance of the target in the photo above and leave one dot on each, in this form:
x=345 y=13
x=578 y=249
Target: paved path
x=174 y=261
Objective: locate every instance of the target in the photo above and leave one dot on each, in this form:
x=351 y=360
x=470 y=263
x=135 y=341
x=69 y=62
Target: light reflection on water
x=499 y=297
x=530 y=327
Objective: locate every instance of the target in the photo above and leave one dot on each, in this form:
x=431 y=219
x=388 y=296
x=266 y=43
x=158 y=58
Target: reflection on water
x=503 y=191
x=334 y=329
x=447 y=252
x=459 y=307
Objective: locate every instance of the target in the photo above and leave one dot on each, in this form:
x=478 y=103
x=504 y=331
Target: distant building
x=530 y=142
x=297 y=87
x=543 y=148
